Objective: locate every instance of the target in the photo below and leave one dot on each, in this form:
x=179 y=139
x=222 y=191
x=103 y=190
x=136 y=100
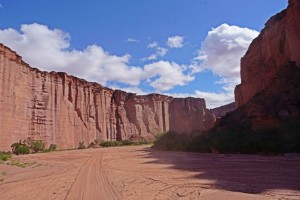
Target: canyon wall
x=65 y=110
x=268 y=98
x=276 y=46
x=223 y=110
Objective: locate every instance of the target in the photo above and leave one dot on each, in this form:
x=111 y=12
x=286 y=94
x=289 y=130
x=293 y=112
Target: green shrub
x=4 y=156
x=52 y=147
x=172 y=141
x=37 y=145
x=122 y=143
x=237 y=139
x=82 y=145
x=127 y=142
x=20 y=148
x=27 y=146
x=109 y=143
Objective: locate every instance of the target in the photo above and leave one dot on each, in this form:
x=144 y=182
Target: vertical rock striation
x=223 y=110
x=268 y=98
x=276 y=46
x=64 y=110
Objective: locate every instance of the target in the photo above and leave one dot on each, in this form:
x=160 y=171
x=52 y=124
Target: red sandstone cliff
x=223 y=110
x=277 y=45
x=65 y=110
x=269 y=94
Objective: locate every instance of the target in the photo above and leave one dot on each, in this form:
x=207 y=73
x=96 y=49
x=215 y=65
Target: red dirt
x=141 y=173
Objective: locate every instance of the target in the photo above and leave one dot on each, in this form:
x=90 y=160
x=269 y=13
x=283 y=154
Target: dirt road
x=140 y=173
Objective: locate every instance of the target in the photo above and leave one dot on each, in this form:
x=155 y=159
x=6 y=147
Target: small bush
x=37 y=145
x=27 y=146
x=82 y=145
x=109 y=143
x=236 y=139
x=4 y=156
x=20 y=148
x=52 y=147
x=122 y=143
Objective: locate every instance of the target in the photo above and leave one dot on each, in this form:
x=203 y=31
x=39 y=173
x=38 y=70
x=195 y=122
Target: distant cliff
x=223 y=110
x=65 y=110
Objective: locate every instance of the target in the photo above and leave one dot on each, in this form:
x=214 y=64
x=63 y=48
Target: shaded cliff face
x=269 y=94
x=190 y=114
x=277 y=45
x=223 y=110
x=275 y=106
x=64 y=110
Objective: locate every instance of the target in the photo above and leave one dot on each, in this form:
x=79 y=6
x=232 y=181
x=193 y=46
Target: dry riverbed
x=141 y=173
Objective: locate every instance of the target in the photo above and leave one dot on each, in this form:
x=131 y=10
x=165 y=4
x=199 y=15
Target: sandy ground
x=141 y=173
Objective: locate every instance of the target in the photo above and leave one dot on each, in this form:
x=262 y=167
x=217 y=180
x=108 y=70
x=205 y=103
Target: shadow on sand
x=235 y=172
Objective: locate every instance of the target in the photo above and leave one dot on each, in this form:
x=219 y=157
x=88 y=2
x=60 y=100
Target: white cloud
x=169 y=75
x=1 y=6
x=49 y=49
x=132 y=89
x=160 y=52
x=153 y=45
x=175 y=42
x=132 y=40
x=212 y=99
x=220 y=53
x=223 y=48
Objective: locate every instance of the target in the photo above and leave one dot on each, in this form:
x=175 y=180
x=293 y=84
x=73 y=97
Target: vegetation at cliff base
x=5 y=156
x=30 y=145
x=239 y=139
x=122 y=143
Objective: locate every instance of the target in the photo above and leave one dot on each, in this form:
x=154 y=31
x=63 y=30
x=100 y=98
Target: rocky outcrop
x=269 y=94
x=65 y=110
x=278 y=105
x=276 y=46
x=223 y=110
x=185 y=114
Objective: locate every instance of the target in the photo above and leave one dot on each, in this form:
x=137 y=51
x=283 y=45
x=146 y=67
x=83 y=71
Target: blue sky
x=175 y=47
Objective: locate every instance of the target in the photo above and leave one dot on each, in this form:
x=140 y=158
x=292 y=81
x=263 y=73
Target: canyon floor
x=139 y=172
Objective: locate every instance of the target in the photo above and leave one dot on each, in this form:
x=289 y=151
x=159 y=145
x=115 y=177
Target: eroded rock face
x=223 y=110
x=185 y=114
x=64 y=110
x=273 y=49
x=269 y=94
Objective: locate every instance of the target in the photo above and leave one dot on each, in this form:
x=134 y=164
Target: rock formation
x=277 y=45
x=223 y=110
x=269 y=93
x=65 y=110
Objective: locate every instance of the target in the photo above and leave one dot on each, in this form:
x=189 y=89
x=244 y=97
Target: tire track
x=92 y=182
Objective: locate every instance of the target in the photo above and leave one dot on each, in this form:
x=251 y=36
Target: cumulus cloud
x=222 y=50
x=49 y=50
x=132 y=89
x=220 y=53
x=132 y=40
x=175 y=42
x=212 y=99
x=153 y=45
x=169 y=75
x=160 y=52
